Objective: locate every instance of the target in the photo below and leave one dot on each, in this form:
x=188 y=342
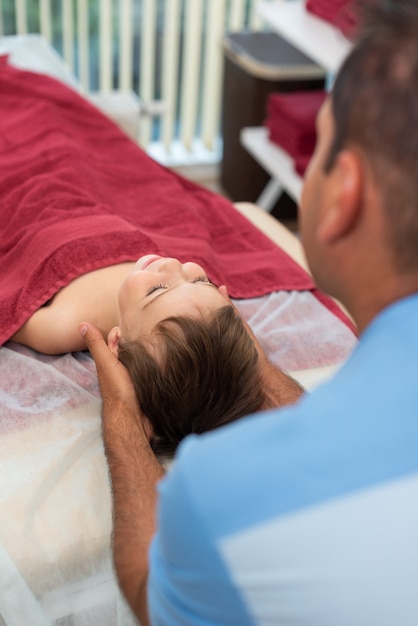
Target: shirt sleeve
x=189 y=582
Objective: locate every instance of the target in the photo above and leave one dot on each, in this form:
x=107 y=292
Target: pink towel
x=76 y=195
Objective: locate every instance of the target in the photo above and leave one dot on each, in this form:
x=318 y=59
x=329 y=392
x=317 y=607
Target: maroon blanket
x=77 y=195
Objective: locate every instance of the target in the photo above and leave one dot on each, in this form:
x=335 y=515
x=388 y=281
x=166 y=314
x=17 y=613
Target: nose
x=171 y=266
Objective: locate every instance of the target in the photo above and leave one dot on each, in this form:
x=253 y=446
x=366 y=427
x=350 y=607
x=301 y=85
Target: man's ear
x=343 y=211
x=113 y=340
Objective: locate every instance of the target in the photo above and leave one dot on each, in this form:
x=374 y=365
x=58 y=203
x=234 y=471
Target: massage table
x=55 y=506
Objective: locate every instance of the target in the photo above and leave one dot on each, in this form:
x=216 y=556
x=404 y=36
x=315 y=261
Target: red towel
x=291 y=119
x=301 y=164
x=340 y=13
x=296 y=106
x=296 y=146
x=76 y=195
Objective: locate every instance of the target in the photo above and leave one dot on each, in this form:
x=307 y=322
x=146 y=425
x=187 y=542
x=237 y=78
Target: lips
x=147 y=260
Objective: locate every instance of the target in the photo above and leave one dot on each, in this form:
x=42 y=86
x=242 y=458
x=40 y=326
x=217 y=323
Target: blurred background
x=190 y=80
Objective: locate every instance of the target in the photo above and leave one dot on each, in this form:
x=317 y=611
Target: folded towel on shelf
x=340 y=13
x=290 y=120
x=301 y=163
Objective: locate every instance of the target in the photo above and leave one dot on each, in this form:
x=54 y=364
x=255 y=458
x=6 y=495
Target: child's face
x=160 y=287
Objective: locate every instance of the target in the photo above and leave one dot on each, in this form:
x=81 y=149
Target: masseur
x=306 y=515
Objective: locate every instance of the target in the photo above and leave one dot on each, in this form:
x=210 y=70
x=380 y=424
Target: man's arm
x=134 y=472
x=279 y=388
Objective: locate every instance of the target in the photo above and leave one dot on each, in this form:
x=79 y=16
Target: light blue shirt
x=306 y=515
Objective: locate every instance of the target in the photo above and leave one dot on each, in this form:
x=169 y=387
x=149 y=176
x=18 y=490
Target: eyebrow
x=171 y=288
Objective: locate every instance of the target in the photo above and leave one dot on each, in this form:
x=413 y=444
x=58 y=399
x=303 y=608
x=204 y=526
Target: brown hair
x=204 y=375
x=375 y=107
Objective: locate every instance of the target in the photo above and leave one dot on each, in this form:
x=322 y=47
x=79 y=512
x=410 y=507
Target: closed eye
x=155 y=288
x=202 y=279
x=199 y=279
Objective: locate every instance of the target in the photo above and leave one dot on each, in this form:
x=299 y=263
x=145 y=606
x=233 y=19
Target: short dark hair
x=204 y=375
x=375 y=107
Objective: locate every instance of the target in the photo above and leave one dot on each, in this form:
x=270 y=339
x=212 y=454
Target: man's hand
x=261 y=354
x=279 y=388
x=116 y=386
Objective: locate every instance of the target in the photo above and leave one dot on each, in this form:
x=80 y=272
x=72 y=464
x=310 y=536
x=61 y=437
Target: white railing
x=163 y=50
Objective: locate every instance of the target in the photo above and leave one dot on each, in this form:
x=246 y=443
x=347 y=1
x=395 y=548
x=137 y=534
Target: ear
x=223 y=290
x=113 y=340
x=344 y=208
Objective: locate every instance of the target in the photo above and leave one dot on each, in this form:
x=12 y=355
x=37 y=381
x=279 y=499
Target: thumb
x=107 y=365
x=94 y=340
x=114 y=379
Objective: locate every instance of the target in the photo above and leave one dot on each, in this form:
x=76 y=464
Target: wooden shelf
x=321 y=41
x=273 y=159
x=325 y=45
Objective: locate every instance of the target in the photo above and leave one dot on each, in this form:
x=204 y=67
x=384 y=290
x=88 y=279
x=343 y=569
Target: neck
x=371 y=299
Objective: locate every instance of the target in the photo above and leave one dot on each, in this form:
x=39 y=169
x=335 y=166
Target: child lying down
x=80 y=204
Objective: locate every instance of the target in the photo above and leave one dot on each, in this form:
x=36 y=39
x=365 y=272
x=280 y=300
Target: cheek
x=130 y=291
x=135 y=283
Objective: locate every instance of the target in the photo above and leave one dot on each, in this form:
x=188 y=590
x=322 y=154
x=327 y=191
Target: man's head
x=375 y=107
x=367 y=134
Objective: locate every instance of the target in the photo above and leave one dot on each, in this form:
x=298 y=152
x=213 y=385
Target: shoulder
x=92 y=297
x=317 y=489
x=330 y=443
x=51 y=330
x=229 y=474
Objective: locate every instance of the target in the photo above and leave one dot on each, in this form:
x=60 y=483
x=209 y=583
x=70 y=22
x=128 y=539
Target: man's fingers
x=106 y=363
x=114 y=379
x=94 y=341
